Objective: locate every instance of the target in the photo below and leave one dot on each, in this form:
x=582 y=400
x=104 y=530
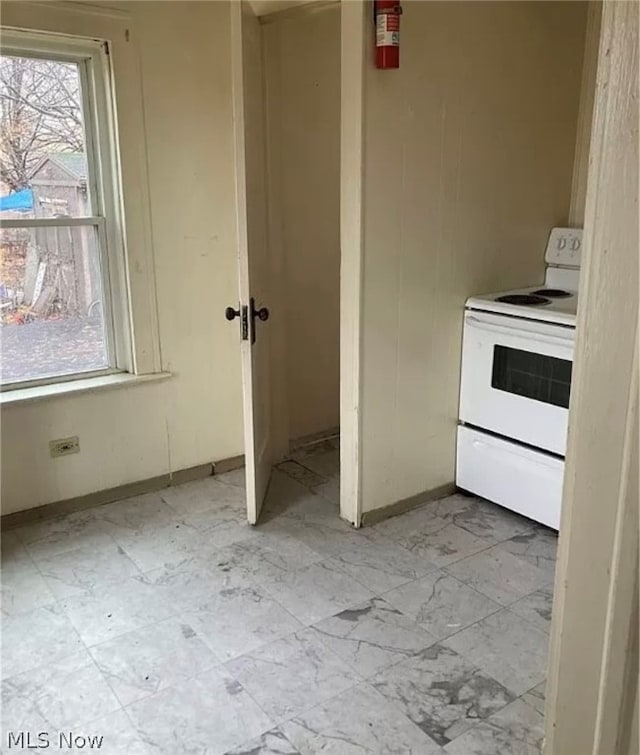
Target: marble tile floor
x=165 y=624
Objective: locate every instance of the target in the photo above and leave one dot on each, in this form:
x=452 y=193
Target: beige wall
x=302 y=69
x=195 y=417
x=264 y=7
x=594 y=643
x=469 y=150
x=585 y=115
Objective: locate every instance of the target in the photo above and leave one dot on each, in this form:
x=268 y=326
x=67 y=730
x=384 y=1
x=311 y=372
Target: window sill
x=73 y=387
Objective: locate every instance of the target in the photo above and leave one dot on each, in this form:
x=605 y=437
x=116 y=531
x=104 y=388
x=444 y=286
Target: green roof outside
x=73 y=162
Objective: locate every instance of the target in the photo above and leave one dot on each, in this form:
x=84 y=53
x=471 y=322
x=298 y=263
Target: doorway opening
x=291 y=86
x=302 y=78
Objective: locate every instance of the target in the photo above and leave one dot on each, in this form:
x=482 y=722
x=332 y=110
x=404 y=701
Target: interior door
x=249 y=130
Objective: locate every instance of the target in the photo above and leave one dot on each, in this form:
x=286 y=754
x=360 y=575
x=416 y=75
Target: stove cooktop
x=542 y=303
x=553 y=293
x=555 y=300
x=528 y=300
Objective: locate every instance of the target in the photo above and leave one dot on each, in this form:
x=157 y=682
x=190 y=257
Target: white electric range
x=517 y=358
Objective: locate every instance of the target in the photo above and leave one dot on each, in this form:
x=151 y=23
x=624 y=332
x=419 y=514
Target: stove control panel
x=564 y=247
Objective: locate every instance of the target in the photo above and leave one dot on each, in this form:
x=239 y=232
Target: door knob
x=262 y=314
x=230 y=313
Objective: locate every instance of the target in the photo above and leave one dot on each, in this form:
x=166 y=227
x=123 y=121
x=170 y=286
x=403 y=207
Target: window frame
x=104 y=184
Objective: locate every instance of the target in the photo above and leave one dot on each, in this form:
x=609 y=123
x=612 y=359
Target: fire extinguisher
x=387 y=19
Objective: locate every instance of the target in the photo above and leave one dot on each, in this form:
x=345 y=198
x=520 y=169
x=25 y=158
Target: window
x=535 y=376
x=63 y=296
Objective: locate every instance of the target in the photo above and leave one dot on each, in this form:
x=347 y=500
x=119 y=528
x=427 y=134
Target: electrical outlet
x=64 y=446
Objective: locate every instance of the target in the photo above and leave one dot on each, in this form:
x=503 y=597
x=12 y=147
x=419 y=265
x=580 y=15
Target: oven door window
x=534 y=376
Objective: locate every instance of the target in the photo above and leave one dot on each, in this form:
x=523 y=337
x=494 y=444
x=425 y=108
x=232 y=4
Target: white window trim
x=103 y=185
x=87 y=384
x=135 y=317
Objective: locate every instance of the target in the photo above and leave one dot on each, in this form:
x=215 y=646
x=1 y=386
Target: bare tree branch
x=40 y=112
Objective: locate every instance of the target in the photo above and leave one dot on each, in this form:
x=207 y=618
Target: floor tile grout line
x=494 y=544
x=106 y=681
x=59 y=603
x=532 y=624
x=26 y=550
x=362 y=583
x=484 y=595
x=107 y=534
x=319 y=452
x=222 y=667
x=302 y=628
x=174 y=617
x=88 y=722
x=375 y=594
x=176 y=614
x=476 y=723
x=492 y=613
x=134 y=726
x=505 y=606
x=535 y=686
x=462 y=558
x=418 y=625
x=357 y=682
x=304 y=467
x=87 y=646
x=219 y=661
x=55 y=600
x=319 y=705
x=397 y=707
x=464 y=629
x=123 y=705
x=262 y=588
x=393 y=663
x=87 y=650
x=35 y=669
x=462 y=654
x=316 y=563
x=308 y=469
x=305 y=626
x=481 y=594
x=63 y=598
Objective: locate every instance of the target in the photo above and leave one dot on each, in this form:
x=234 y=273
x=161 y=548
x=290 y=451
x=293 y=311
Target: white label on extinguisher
x=387 y=30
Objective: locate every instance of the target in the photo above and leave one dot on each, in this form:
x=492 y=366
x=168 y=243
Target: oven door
x=516 y=378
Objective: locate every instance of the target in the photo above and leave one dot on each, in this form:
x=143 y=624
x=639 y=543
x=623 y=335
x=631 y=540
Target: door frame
x=354 y=34
x=593 y=673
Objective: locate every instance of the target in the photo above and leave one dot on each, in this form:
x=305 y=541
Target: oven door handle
x=538 y=337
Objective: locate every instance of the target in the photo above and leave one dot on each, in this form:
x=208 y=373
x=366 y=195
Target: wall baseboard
x=100 y=497
x=228 y=465
x=406 y=504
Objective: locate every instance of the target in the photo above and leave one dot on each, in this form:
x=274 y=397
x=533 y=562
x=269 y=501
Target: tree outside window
x=52 y=285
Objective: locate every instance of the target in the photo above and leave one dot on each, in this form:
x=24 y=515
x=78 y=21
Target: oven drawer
x=516 y=378
x=518 y=478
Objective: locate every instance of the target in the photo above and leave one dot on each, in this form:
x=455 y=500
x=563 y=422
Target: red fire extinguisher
x=387 y=17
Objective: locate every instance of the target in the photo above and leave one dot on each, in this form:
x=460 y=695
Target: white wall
x=302 y=70
x=195 y=417
x=469 y=149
